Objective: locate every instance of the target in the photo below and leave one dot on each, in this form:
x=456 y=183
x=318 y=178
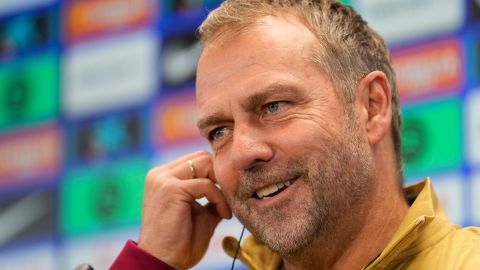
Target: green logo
x=414 y=140
x=432 y=136
x=29 y=91
x=107 y=199
x=103 y=196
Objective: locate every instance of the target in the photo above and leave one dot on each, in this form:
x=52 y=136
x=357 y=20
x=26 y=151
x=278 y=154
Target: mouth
x=273 y=190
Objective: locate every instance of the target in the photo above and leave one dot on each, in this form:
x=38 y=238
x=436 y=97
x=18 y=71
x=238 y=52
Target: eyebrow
x=251 y=103
x=258 y=99
x=213 y=119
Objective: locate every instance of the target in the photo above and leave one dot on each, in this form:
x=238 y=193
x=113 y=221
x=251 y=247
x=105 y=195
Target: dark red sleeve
x=132 y=258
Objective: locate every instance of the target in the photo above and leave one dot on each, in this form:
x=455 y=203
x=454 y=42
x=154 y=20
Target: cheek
x=302 y=135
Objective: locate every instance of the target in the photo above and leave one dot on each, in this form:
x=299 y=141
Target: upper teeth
x=266 y=191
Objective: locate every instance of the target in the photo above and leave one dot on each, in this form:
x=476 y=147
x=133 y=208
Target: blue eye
x=217 y=133
x=272 y=107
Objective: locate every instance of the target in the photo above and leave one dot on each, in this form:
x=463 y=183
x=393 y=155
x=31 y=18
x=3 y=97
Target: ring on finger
x=192 y=168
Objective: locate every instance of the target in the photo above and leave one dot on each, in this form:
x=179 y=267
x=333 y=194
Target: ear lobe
x=375 y=95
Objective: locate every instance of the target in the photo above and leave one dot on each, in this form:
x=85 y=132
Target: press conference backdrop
x=93 y=93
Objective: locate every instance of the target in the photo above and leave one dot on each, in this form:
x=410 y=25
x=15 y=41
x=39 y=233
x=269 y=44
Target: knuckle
x=152 y=173
x=150 y=179
x=203 y=161
x=207 y=185
x=205 y=158
x=203 y=154
x=152 y=176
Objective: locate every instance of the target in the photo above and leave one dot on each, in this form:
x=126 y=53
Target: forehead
x=273 y=50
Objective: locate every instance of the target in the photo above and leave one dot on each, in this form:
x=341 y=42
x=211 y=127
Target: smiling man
x=299 y=103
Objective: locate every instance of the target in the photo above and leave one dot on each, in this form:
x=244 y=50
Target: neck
x=359 y=241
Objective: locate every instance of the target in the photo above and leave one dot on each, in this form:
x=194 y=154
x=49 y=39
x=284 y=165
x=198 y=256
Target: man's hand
x=175 y=228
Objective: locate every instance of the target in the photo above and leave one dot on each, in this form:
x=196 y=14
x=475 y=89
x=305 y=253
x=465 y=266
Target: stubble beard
x=337 y=178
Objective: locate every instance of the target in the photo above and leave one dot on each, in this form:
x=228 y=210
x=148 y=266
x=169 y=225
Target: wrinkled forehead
x=257 y=48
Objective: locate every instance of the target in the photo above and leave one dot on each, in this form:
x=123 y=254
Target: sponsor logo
x=109 y=136
x=25 y=32
x=85 y=18
x=29 y=91
x=17 y=95
x=180 y=56
x=175 y=120
x=432 y=133
x=430 y=69
x=34 y=216
x=472 y=126
x=475 y=8
x=107 y=205
x=30 y=155
x=110 y=74
x=414 y=140
x=401 y=20
x=102 y=196
x=7 y=6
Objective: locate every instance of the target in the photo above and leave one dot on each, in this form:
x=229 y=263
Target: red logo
x=430 y=69
x=30 y=155
x=85 y=18
x=175 y=120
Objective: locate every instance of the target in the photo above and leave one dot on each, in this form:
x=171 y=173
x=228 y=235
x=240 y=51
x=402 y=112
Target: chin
x=285 y=234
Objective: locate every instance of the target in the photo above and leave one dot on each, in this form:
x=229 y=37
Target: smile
x=273 y=190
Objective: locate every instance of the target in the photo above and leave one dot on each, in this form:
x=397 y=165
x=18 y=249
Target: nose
x=250 y=146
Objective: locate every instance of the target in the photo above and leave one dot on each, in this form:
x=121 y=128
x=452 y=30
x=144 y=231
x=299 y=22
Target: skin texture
x=283 y=122
x=272 y=115
x=169 y=211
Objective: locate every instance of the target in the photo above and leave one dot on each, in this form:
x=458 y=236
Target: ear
x=374 y=101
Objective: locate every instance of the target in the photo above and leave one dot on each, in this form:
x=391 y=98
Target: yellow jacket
x=426 y=239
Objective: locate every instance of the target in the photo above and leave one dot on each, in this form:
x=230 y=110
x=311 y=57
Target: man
x=299 y=103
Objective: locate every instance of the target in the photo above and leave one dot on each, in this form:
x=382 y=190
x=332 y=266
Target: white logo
x=109 y=74
x=400 y=20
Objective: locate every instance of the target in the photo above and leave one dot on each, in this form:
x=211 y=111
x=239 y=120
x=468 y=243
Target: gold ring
x=192 y=169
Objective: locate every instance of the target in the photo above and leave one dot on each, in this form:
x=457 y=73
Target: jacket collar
x=424 y=225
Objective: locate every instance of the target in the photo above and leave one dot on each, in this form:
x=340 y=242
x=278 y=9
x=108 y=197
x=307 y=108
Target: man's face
x=291 y=162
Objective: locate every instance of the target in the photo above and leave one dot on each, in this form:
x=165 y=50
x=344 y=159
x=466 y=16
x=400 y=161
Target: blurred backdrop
x=94 y=93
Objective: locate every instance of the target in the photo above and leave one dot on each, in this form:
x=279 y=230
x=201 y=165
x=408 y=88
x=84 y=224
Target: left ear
x=374 y=102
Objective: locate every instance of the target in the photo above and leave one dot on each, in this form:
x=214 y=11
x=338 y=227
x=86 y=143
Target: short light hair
x=347 y=49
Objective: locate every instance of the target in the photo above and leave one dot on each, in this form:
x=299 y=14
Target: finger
x=201 y=162
x=202 y=165
x=183 y=159
x=203 y=187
